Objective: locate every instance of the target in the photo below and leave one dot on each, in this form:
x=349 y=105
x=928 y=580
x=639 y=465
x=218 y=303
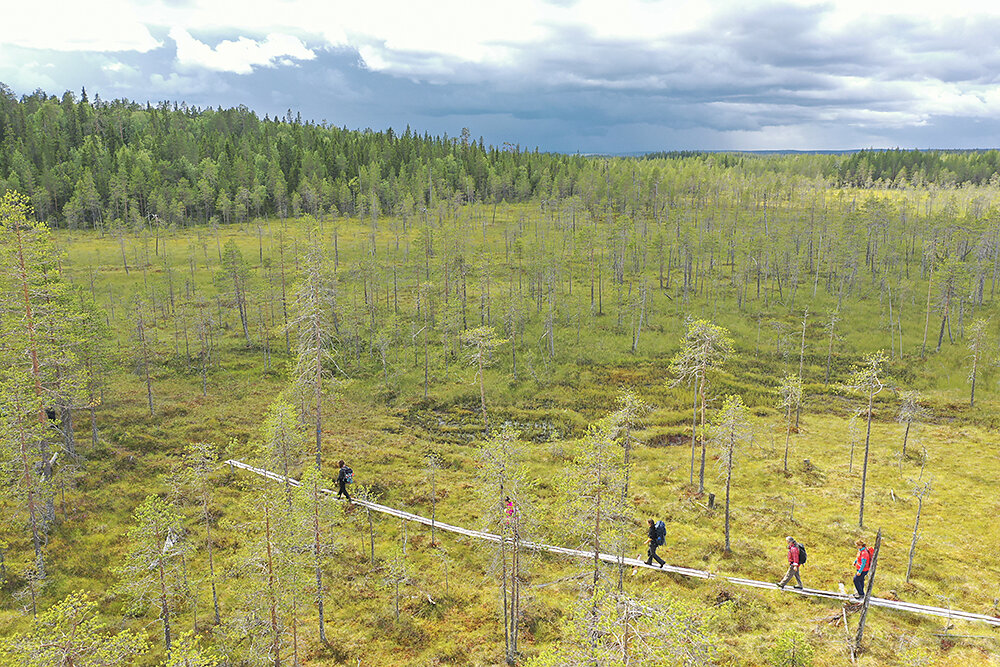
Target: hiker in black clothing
x=342 y=480
x=653 y=542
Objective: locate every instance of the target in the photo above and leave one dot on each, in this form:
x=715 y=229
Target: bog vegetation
x=554 y=348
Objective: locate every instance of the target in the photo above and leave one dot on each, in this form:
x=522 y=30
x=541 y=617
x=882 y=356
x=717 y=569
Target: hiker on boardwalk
x=654 y=539
x=862 y=564
x=508 y=509
x=345 y=476
x=793 y=564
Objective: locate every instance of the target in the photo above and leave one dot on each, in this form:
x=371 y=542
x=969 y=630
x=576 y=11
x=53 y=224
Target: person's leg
x=658 y=559
x=787 y=577
x=795 y=571
x=650 y=552
x=859 y=584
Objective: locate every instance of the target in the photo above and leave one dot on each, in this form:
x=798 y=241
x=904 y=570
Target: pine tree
x=731 y=430
x=910 y=413
x=504 y=491
x=151 y=574
x=316 y=515
x=201 y=460
x=68 y=634
x=869 y=379
x=188 y=652
x=977 y=349
x=482 y=341
x=705 y=348
x=235 y=273
x=791 y=397
x=315 y=306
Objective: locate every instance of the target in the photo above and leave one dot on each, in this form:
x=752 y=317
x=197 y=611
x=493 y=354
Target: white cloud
x=71 y=25
x=239 y=56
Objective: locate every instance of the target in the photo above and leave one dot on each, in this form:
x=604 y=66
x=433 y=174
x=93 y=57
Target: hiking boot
x=780 y=586
x=661 y=565
x=798 y=588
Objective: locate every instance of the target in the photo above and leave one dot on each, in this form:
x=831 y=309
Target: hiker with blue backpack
x=344 y=477
x=796 y=557
x=656 y=535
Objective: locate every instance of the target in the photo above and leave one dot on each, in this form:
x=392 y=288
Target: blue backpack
x=348 y=475
x=661 y=533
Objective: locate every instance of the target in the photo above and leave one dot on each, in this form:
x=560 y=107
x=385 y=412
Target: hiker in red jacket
x=793 y=564
x=862 y=564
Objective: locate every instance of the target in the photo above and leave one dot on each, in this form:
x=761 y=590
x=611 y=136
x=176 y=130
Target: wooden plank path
x=898 y=605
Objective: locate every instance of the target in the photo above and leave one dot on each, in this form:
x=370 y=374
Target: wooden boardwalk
x=633 y=562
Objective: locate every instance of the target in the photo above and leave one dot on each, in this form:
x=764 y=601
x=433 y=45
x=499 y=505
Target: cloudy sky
x=564 y=75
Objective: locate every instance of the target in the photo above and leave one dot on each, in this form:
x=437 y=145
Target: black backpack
x=802 y=554
x=661 y=533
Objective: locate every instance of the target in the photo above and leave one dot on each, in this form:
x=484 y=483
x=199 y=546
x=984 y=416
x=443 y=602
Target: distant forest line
x=88 y=163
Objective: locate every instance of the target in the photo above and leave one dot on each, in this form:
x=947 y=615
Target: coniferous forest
x=550 y=348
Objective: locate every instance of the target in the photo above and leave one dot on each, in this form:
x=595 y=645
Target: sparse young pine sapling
x=503 y=489
x=791 y=397
x=482 y=341
x=869 y=379
x=432 y=464
x=731 y=431
x=706 y=347
x=311 y=504
x=201 y=459
x=831 y=329
x=910 y=413
x=920 y=492
x=151 y=573
x=977 y=349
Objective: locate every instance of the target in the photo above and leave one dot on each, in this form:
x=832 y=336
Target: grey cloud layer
x=755 y=75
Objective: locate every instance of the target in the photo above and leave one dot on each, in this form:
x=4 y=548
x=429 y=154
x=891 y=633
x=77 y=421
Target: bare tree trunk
x=271 y=585
x=694 y=427
x=864 y=470
x=802 y=357
x=164 y=610
x=319 y=570
x=211 y=559
x=482 y=392
x=868 y=594
x=319 y=396
x=704 y=443
x=788 y=433
x=972 y=376
x=927 y=317
x=913 y=542
x=729 y=477
x=371 y=534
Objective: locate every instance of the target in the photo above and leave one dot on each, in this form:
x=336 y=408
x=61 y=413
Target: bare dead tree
x=920 y=491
